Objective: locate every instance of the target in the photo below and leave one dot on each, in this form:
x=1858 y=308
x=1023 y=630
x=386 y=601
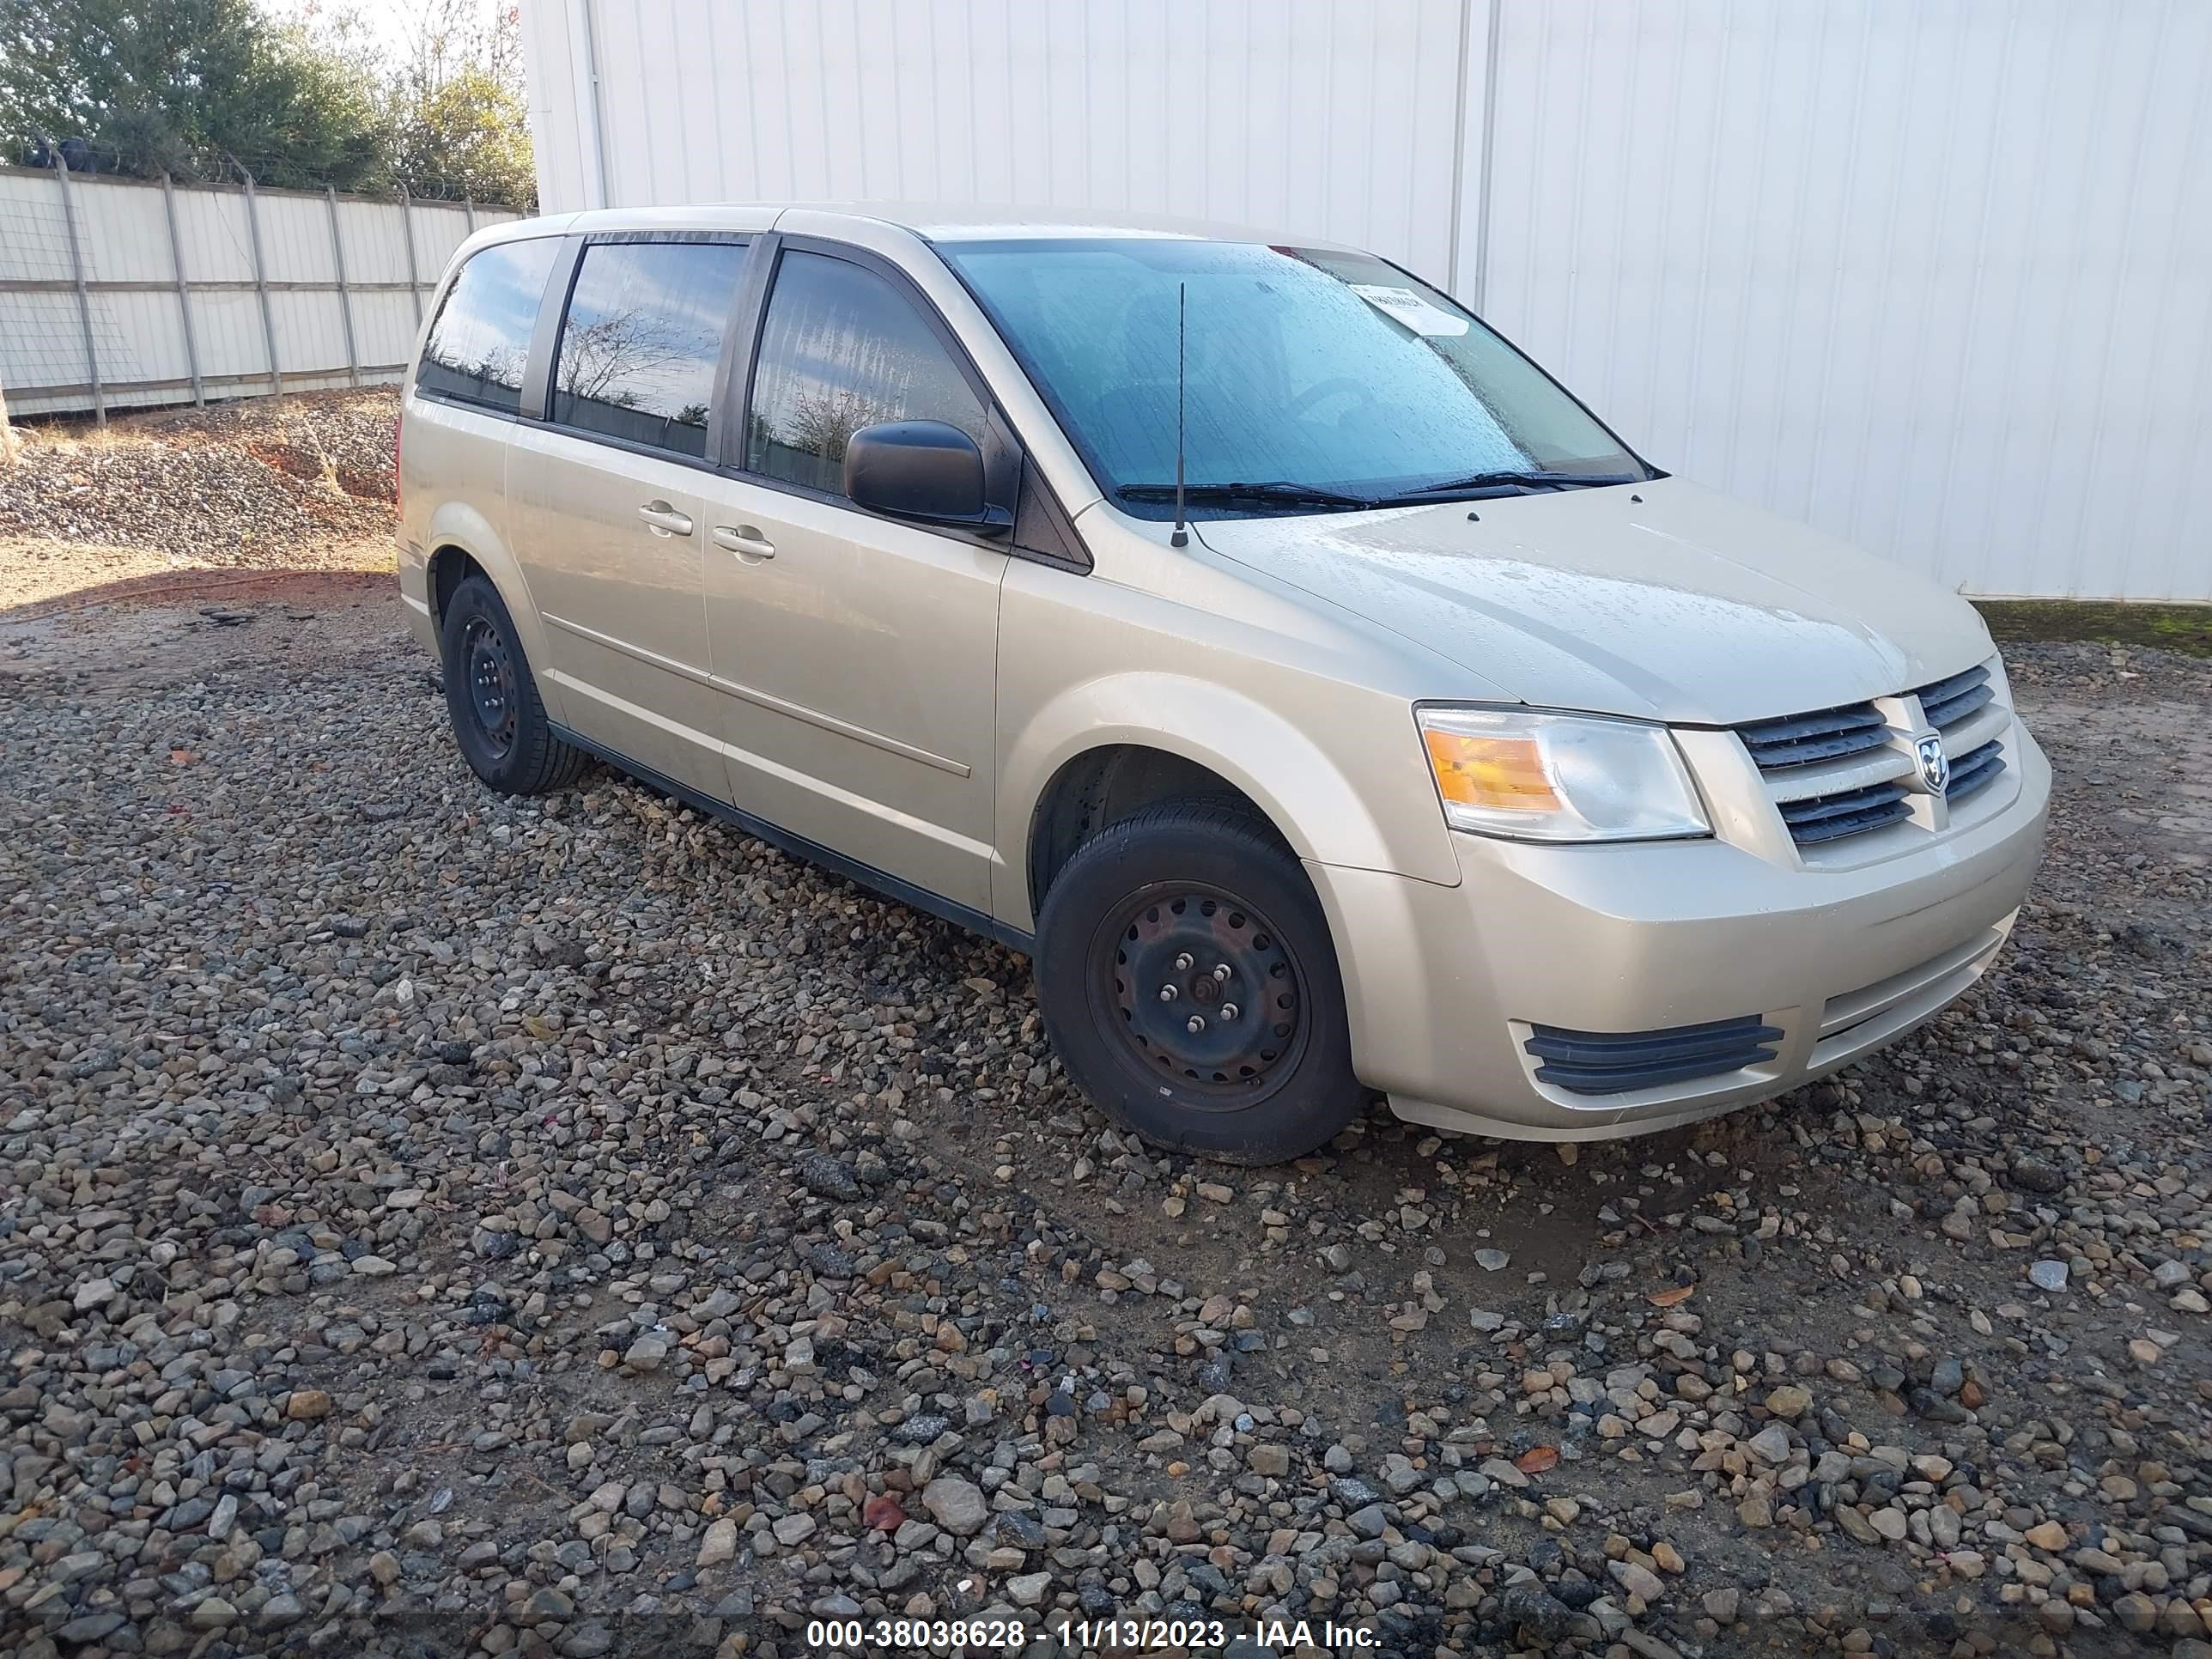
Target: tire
x=1157 y=902
x=492 y=698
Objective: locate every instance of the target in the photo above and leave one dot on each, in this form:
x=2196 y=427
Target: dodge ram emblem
x=1935 y=764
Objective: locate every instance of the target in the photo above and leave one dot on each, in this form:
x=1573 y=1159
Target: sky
x=393 y=25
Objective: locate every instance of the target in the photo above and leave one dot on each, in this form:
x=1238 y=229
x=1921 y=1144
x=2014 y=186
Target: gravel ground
x=239 y=485
x=430 y=1223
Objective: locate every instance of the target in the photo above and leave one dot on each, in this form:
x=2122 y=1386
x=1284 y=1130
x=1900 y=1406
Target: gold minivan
x=1325 y=700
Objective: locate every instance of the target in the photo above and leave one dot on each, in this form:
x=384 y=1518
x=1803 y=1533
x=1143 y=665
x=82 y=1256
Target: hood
x=1685 y=606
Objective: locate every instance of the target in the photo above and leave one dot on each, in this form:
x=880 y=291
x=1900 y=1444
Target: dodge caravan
x=1325 y=700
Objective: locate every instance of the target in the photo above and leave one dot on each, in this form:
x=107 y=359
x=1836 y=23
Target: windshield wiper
x=1275 y=491
x=1511 y=484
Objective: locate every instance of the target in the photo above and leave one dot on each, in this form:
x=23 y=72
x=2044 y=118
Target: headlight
x=1559 y=777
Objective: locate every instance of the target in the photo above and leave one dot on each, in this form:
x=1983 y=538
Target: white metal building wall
x=1936 y=278
x=1335 y=115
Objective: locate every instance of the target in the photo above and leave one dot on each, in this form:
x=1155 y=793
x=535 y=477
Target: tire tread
x=1243 y=836
x=542 y=762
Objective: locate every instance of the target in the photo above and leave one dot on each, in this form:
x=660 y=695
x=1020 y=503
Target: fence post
x=260 y=278
x=83 y=299
x=345 y=300
x=7 y=433
x=407 y=235
x=184 y=292
x=469 y=207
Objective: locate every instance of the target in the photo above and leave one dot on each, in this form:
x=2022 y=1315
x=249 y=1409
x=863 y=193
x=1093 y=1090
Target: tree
x=188 y=88
x=198 y=88
x=301 y=119
x=461 y=122
x=467 y=137
x=626 y=345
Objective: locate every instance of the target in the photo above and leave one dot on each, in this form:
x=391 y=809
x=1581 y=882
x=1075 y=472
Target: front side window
x=479 y=342
x=1309 y=370
x=642 y=338
x=841 y=349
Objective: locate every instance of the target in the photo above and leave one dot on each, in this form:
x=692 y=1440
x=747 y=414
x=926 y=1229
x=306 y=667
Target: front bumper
x=1445 y=984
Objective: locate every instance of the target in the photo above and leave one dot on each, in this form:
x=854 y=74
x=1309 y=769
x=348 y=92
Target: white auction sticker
x=1408 y=308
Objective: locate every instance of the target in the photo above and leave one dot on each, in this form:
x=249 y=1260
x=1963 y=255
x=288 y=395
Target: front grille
x=1615 y=1062
x=1951 y=707
x=1972 y=771
x=1800 y=739
x=1827 y=818
x=1948 y=701
x=1842 y=772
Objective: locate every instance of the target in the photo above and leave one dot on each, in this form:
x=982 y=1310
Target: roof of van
x=934 y=221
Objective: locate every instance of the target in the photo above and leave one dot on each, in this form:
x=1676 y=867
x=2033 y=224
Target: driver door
x=856 y=654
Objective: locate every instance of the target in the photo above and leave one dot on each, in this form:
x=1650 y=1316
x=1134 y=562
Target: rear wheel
x=498 y=719
x=1187 y=979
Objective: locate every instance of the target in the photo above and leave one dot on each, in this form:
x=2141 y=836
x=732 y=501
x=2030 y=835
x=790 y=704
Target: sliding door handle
x=743 y=540
x=663 y=520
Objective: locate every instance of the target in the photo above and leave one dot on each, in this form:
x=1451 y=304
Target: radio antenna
x=1181 y=538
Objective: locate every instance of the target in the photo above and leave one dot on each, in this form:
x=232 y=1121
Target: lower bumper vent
x=1615 y=1062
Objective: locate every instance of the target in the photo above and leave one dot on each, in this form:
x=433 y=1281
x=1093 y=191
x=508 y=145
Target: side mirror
x=927 y=470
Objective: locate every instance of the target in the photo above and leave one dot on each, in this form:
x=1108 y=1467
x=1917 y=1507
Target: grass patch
x=2184 y=627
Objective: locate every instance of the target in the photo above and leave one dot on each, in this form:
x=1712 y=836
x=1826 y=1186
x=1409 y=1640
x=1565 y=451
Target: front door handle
x=743 y=540
x=663 y=520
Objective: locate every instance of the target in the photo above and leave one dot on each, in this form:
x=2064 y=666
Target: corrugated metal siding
x=138 y=331
x=35 y=249
x=1337 y=115
x=560 y=96
x=1936 y=278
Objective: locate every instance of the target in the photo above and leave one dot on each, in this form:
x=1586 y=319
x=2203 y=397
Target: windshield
x=1332 y=372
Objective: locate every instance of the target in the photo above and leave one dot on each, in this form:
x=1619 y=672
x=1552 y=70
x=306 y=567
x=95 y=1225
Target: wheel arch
x=450 y=566
x=1108 y=782
x=1110 y=747
x=462 y=542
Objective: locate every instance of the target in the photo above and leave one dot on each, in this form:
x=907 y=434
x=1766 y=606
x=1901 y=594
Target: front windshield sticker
x=1403 y=304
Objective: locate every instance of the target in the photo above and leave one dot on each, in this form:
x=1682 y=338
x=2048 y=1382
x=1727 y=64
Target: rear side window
x=642 y=340
x=841 y=349
x=479 y=342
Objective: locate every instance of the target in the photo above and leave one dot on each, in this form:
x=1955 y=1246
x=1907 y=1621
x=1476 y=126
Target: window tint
x=842 y=348
x=642 y=336
x=479 y=343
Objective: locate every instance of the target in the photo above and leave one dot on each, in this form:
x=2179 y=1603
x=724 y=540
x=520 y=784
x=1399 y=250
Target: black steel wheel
x=1206 y=988
x=492 y=700
x=490 y=665
x=1188 y=981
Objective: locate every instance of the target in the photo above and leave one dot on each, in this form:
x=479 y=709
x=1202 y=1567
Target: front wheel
x=1187 y=979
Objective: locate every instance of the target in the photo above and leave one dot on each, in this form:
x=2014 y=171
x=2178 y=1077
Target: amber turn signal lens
x=1503 y=774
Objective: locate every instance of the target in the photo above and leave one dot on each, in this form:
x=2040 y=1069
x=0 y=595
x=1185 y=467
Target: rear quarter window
x=479 y=342
x=642 y=339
